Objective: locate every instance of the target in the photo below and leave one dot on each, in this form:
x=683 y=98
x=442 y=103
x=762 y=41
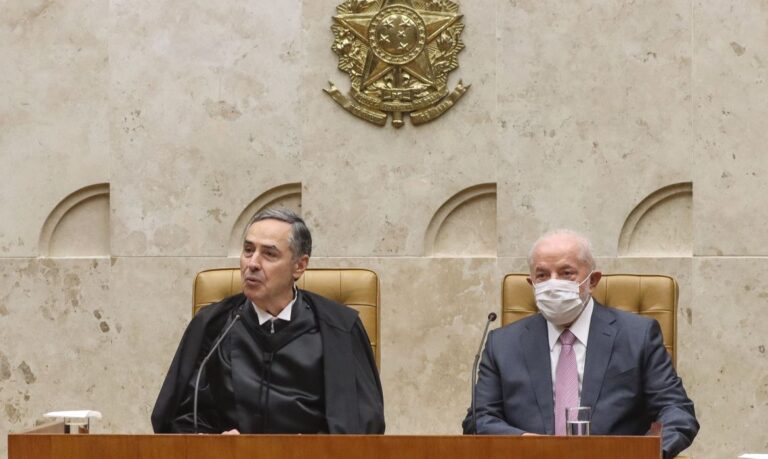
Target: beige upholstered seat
x=356 y=288
x=651 y=296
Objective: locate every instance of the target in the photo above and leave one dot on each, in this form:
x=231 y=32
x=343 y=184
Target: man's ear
x=530 y=282
x=594 y=279
x=300 y=267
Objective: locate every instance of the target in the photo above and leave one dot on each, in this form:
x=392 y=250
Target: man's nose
x=254 y=263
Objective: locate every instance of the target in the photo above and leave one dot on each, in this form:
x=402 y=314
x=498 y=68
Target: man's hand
x=231 y=432
x=528 y=434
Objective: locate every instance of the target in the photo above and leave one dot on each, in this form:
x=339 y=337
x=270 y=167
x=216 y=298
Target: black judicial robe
x=353 y=396
x=261 y=379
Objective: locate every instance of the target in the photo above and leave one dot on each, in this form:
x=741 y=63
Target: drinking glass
x=577 y=420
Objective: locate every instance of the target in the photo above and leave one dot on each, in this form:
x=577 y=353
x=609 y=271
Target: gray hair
x=585 y=247
x=300 y=240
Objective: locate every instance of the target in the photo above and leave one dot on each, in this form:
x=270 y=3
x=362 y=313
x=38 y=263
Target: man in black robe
x=291 y=362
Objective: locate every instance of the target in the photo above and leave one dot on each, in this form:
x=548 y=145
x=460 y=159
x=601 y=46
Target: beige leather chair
x=647 y=295
x=356 y=288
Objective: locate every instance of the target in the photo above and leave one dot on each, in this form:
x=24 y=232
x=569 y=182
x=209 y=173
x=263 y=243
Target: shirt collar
x=579 y=328
x=285 y=314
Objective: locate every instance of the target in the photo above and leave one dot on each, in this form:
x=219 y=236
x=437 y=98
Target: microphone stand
x=491 y=318
x=202 y=365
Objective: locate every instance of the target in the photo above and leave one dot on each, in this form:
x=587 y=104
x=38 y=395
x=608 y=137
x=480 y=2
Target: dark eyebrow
x=264 y=246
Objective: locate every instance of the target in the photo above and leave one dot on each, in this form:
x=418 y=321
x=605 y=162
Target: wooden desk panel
x=47 y=446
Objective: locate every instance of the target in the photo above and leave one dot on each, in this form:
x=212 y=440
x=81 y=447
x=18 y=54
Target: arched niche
x=661 y=225
x=287 y=196
x=465 y=225
x=78 y=226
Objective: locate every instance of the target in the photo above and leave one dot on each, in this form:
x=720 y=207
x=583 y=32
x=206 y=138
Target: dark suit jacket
x=628 y=381
x=353 y=395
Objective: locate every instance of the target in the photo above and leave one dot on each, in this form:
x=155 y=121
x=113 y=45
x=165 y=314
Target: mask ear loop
x=589 y=276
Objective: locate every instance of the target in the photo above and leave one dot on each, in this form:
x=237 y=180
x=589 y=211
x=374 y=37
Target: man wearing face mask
x=577 y=352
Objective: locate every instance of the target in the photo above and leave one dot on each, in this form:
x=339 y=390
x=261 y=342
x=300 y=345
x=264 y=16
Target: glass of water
x=577 y=420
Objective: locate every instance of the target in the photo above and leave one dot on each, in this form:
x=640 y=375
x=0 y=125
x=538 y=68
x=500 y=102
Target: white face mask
x=559 y=300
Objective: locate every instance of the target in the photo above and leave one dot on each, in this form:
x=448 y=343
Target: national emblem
x=398 y=54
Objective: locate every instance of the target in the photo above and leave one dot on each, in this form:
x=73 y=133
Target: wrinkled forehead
x=557 y=252
x=269 y=232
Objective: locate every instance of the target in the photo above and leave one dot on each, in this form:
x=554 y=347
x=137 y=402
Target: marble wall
x=136 y=136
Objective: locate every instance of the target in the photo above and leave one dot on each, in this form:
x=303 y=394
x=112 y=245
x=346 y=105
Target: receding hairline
x=585 y=247
x=251 y=224
x=299 y=236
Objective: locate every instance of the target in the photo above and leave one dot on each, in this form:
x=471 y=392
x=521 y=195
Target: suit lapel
x=602 y=334
x=535 y=345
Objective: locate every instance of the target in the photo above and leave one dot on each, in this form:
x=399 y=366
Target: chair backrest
x=648 y=295
x=356 y=288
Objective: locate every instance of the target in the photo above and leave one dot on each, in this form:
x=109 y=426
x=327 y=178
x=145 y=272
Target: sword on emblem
x=368 y=114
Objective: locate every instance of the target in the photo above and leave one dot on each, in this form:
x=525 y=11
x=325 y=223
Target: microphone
x=491 y=318
x=205 y=360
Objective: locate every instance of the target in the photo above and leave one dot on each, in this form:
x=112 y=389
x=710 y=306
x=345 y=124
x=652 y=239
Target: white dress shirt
x=285 y=314
x=580 y=329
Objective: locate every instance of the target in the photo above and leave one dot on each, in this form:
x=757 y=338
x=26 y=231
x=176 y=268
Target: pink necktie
x=566 y=381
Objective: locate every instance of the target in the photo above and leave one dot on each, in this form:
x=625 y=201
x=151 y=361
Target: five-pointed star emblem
x=375 y=67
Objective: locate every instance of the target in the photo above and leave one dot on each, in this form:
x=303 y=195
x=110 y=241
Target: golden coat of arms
x=398 y=54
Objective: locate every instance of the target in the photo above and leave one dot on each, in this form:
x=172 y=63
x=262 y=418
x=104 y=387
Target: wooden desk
x=59 y=446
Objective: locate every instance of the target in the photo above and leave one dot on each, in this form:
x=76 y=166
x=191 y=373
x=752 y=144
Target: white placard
x=74 y=414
